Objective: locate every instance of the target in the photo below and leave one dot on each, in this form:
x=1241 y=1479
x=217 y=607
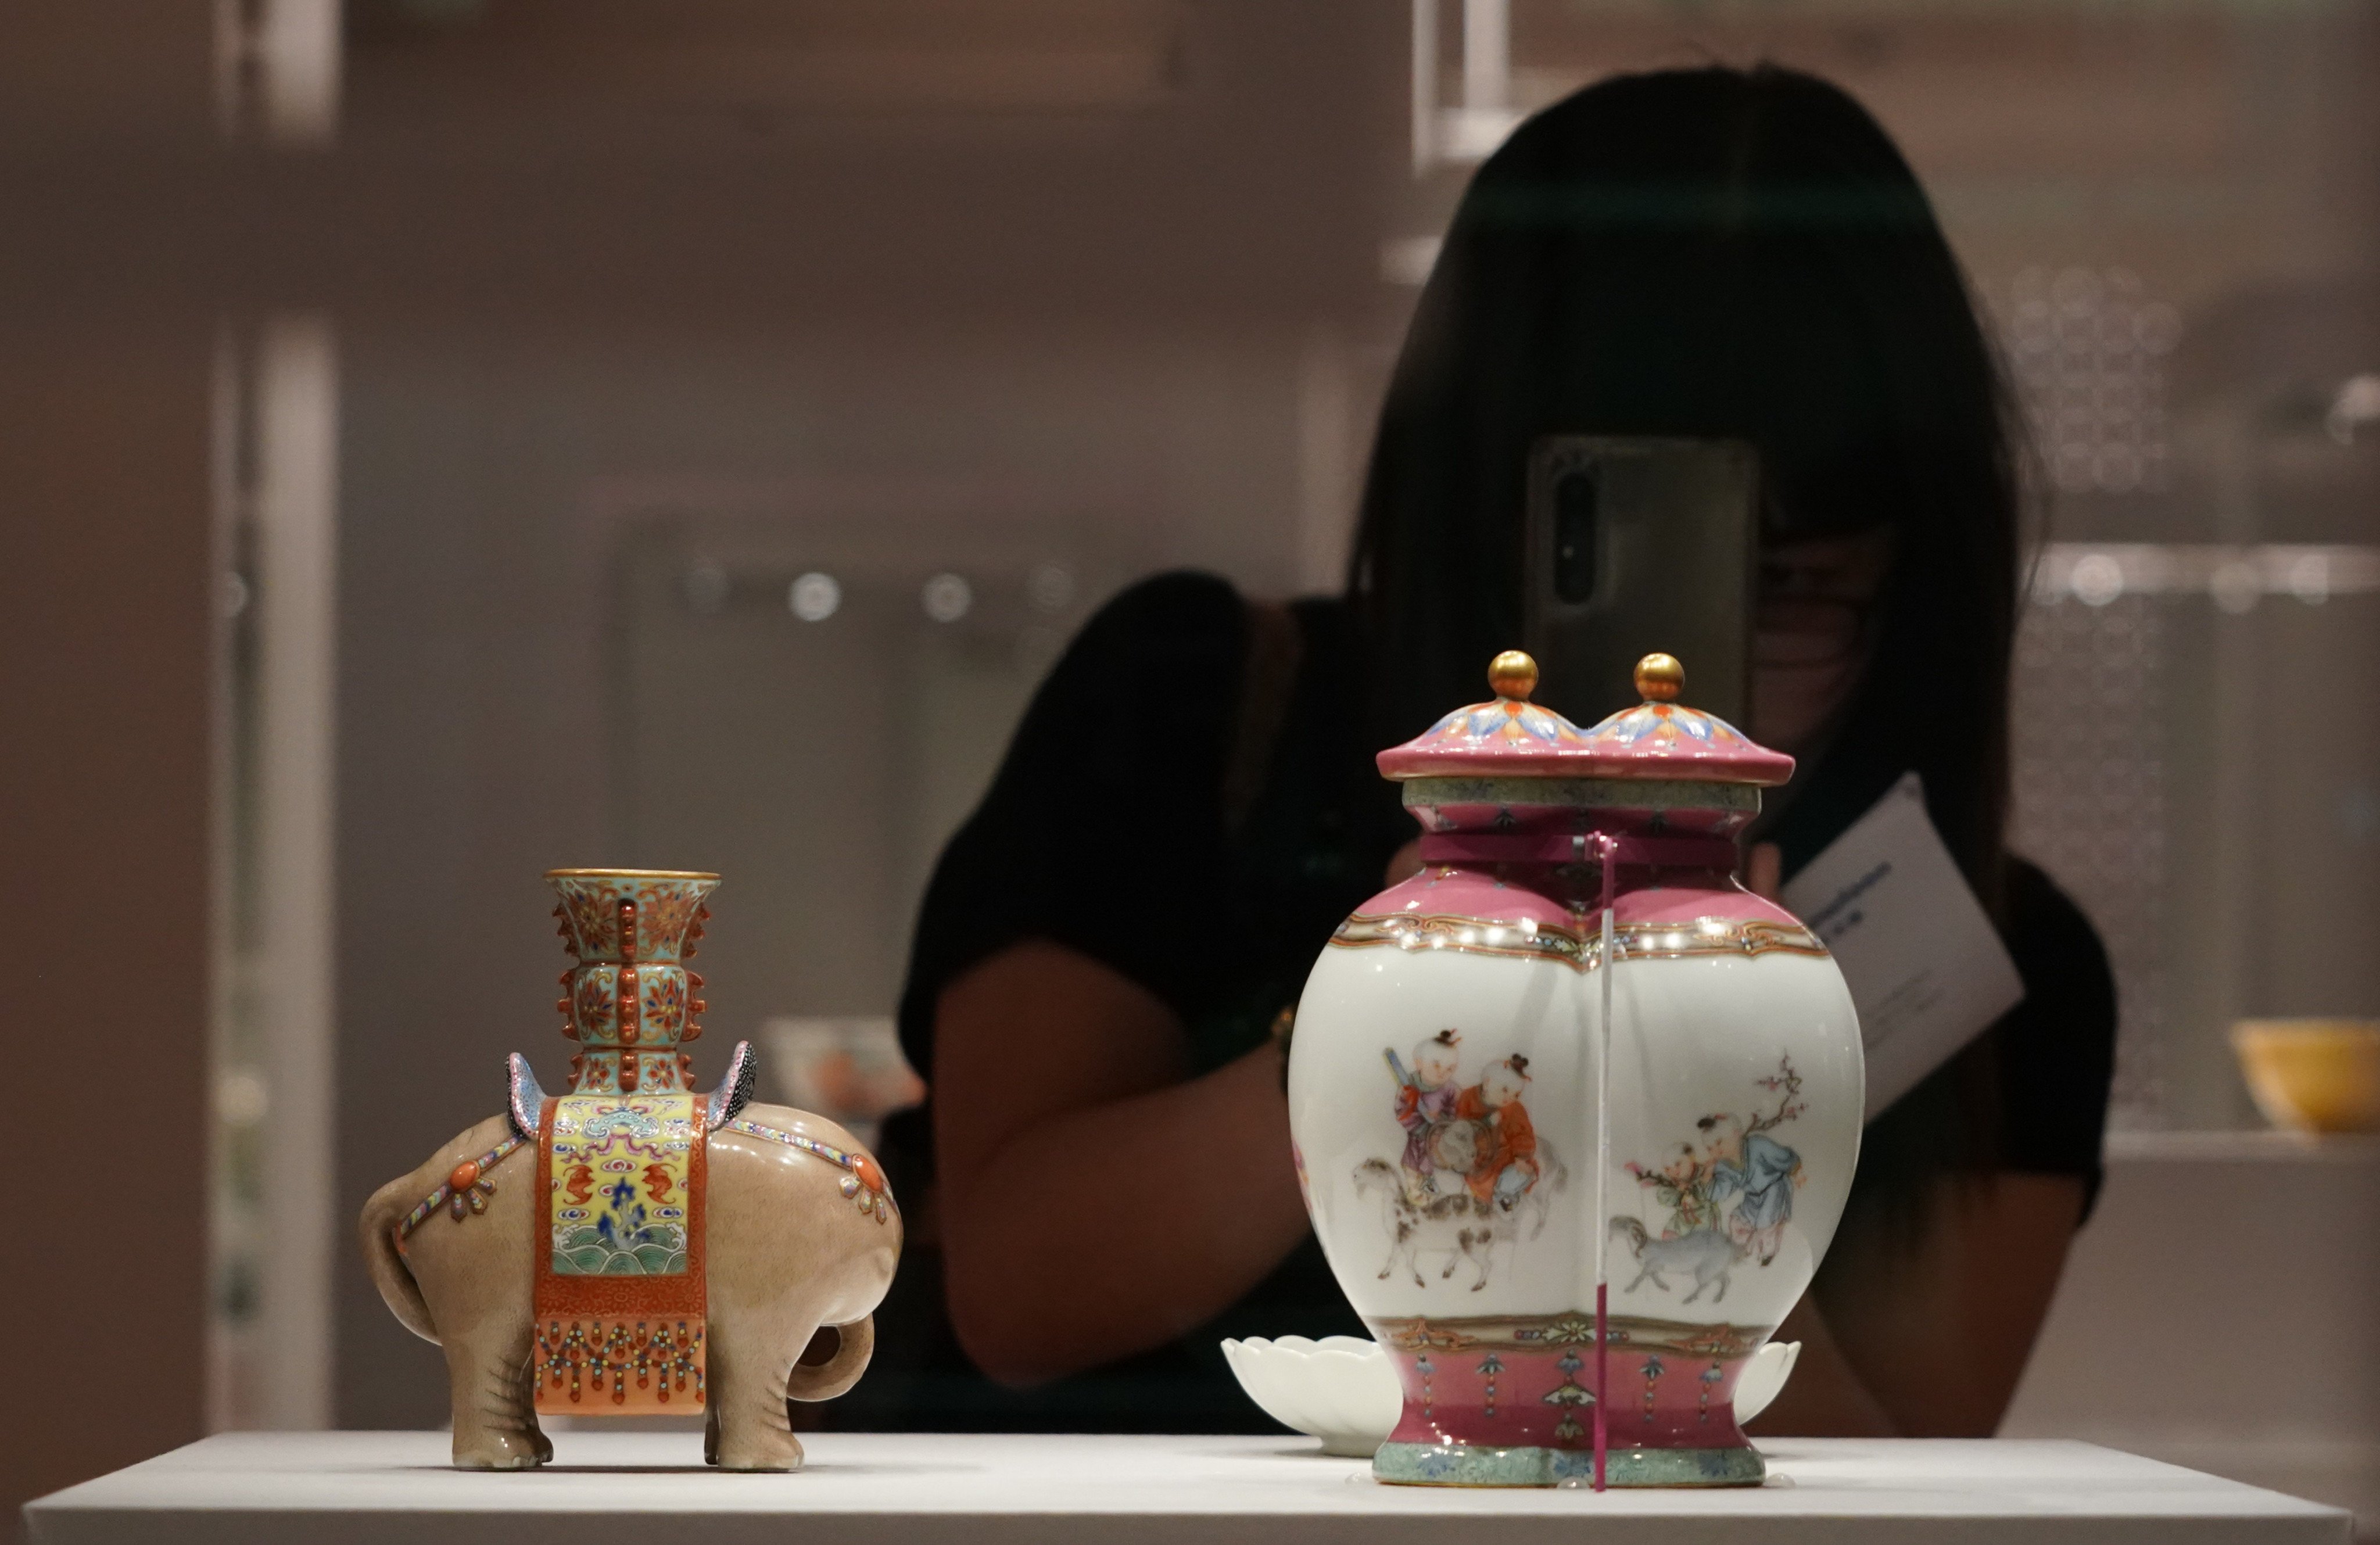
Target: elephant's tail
x=826 y=1379
x=397 y=1289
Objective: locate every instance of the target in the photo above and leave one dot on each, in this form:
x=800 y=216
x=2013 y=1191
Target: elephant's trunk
x=397 y=1289
x=825 y=1381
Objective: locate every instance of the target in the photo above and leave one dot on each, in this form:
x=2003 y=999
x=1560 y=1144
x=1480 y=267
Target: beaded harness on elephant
x=466 y=1191
x=862 y=1181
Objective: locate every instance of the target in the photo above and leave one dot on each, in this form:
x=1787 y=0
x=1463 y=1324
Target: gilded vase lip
x=628 y=874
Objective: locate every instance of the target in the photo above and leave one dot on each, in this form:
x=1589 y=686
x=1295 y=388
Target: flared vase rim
x=629 y=874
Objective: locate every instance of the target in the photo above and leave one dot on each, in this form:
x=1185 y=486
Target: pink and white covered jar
x=1446 y=1079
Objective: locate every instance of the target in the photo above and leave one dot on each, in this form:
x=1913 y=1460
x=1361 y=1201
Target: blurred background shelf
x=2167 y=1338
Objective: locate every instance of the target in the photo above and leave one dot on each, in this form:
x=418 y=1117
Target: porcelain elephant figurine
x=800 y=1237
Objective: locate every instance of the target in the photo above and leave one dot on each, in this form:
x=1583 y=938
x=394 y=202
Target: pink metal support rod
x=1609 y=847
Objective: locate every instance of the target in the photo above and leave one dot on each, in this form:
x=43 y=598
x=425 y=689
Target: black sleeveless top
x=1232 y=823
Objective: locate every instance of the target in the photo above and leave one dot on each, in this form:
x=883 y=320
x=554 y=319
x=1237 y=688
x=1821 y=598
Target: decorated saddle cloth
x=620 y=1289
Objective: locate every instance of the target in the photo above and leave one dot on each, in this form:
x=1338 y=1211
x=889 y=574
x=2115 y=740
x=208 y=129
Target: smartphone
x=1638 y=544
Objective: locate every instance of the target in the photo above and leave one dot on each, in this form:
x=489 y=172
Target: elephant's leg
x=488 y=1378
x=747 y=1396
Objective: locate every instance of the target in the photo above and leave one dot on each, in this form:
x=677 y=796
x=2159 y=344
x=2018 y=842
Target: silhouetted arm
x=1928 y=1339
x=1925 y=1335
x=1095 y=1202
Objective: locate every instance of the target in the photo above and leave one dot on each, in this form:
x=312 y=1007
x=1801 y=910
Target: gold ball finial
x=1514 y=674
x=1660 y=678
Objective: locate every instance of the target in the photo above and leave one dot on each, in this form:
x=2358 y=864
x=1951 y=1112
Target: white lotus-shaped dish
x=1343 y=1390
x=1763 y=1377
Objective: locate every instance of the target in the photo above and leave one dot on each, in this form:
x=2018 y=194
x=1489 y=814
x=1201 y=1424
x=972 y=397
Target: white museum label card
x=1927 y=970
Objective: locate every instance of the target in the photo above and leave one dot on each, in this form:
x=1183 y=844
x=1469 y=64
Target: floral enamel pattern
x=630 y=1001
x=1520 y=1380
x=589 y=923
x=1506 y=719
x=1728 y=1193
x=1506 y=1333
x=666 y=910
x=1658 y=739
x=1652 y=724
x=668 y=917
x=1473 y=1178
x=665 y=1005
x=594 y=1014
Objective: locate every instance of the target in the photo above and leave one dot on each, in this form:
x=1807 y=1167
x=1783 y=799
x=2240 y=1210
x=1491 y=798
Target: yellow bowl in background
x=2312 y=1075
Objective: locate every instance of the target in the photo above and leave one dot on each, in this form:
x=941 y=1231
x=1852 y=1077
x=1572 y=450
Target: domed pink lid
x=1513 y=738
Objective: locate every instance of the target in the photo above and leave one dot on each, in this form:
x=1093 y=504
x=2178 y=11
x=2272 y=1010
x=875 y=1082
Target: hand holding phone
x=1638 y=544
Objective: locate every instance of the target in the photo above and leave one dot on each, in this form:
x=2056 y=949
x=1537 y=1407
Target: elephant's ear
x=734 y=1091
x=524 y=1102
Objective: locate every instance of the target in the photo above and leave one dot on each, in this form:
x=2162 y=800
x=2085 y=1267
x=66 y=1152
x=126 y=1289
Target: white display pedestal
x=919 y=1488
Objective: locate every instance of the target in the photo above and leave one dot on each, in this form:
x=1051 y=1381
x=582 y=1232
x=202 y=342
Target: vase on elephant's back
x=652 y=1249
x=1575 y=1114
x=630 y=1001
x=621 y=1291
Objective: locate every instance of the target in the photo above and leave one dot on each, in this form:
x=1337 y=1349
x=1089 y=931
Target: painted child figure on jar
x=1763 y=1172
x=1426 y=1100
x=1683 y=1187
x=1506 y=1164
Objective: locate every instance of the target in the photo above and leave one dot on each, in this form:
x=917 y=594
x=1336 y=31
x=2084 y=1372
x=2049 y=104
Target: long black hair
x=1713 y=253
x=1723 y=253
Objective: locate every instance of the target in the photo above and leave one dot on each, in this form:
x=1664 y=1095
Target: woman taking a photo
x=1190 y=806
